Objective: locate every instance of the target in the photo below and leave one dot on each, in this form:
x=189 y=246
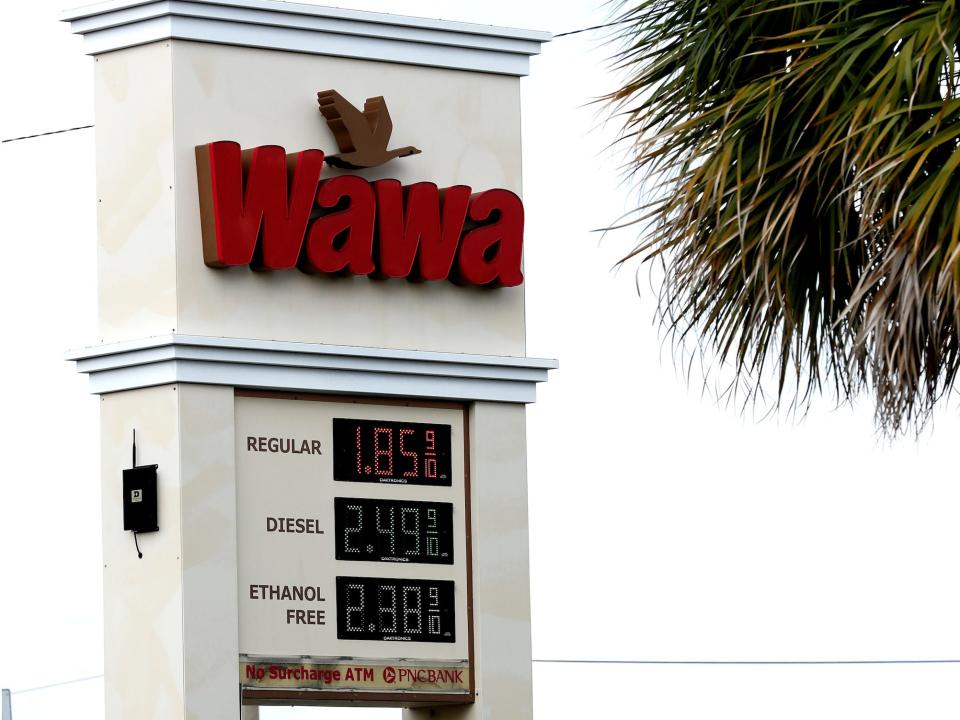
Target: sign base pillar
x=170 y=617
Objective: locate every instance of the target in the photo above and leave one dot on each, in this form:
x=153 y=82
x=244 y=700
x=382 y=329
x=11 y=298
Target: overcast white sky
x=663 y=526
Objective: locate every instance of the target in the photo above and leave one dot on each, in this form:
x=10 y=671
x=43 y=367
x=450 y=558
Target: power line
x=52 y=132
x=592 y=27
x=53 y=685
x=748 y=662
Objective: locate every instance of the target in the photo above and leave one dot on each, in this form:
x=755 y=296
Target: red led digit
x=379 y=451
x=430 y=455
x=359 y=471
x=409 y=453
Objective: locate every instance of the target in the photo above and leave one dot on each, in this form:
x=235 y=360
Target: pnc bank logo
x=271 y=210
x=389 y=675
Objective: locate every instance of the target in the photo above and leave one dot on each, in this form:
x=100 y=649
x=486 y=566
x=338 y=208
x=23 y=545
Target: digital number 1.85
x=391 y=452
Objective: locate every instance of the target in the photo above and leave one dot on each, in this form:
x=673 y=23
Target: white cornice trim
x=275 y=25
x=307 y=367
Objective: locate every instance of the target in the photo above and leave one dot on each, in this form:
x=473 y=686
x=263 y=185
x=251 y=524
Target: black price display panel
x=395 y=609
x=394 y=530
x=383 y=451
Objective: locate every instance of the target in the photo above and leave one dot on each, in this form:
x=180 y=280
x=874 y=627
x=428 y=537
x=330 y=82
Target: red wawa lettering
x=270 y=210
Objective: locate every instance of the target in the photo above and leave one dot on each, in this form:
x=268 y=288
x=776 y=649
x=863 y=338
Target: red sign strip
x=402 y=676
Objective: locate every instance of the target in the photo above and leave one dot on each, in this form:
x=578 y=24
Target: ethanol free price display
x=393 y=530
x=395 y=609
x=384 y=451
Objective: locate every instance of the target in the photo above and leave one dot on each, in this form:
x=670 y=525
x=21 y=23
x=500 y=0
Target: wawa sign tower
x=311 y=316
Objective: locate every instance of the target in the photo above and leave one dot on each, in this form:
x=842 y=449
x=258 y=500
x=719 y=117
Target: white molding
x=274 y=25
x=307 y=367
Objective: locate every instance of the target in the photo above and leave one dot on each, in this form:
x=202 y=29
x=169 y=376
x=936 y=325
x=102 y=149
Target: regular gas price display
x=383 y=451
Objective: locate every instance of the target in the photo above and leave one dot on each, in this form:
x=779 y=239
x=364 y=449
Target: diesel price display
x=394 y=530
x=383 y=451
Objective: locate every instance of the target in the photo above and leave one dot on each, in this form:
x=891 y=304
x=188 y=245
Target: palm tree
x=800 y=164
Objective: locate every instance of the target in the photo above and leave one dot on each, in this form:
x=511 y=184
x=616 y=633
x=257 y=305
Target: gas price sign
x=391 y=452
x=353 y=547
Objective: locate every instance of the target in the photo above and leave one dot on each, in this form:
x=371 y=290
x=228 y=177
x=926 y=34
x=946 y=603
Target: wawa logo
x=270 y=210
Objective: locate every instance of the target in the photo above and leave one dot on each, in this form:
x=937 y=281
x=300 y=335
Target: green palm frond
x=806 y=201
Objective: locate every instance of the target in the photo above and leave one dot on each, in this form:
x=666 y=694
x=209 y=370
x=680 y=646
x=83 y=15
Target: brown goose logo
x=362 y=137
